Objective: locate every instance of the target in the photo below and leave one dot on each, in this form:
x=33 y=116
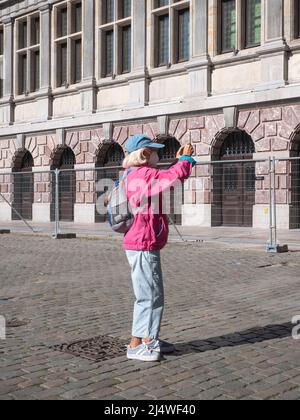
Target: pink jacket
x=150 y=231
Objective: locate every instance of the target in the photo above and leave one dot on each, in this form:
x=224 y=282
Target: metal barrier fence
x=249 y=194
x=286 y=196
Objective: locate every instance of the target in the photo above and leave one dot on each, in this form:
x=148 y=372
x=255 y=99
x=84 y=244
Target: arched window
x=114 y=156
x=237 y=144
x=67 y=158
x=27 y=161
x=169 y=152
x=23 y=161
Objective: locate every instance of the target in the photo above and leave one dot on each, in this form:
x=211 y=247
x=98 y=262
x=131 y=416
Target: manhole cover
x=95 y=349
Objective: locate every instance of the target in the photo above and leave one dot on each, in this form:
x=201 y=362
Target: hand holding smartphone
x=187 y=150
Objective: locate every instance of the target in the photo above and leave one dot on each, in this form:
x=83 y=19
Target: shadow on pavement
x=250 y=336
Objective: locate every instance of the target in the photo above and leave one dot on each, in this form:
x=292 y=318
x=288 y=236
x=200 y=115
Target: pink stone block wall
x=6 y=188
x=121 y=133
x=43 y=187
x=85 y=187
x=85 y=145
x=272 y=129
x=7 y=150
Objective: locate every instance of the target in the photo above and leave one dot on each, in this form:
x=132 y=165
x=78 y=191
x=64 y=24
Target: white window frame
x=2 y=62
x=295 y=21
x=171 y=9
x=116 y=27
x=28 y=50
x=240 y=43
x=69 y=38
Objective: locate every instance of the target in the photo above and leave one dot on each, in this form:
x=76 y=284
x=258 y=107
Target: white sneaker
x=161 y=346
x=143 y=353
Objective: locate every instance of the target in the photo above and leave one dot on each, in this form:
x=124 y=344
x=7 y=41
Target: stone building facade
x=91 y=73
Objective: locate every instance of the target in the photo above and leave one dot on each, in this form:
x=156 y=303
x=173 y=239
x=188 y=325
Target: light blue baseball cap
x=140 y=141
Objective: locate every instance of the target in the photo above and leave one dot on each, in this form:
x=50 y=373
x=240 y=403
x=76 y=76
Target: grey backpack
x=120 y=214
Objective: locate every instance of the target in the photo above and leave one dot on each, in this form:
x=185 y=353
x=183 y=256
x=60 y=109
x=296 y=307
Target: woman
x=146 y=237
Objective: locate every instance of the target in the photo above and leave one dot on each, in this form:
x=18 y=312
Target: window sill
x=5 y=102
x=66 y=90
x=181 y=67
x=30 y=97
x=294 y=44
x=109 y=81
x=232 y=57
x=166 y=70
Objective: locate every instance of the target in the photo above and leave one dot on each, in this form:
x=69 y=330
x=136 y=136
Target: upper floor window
x=68 y=43
x=115 y=23
x=28 y=54
x=239 y=23
x=252 y=23
x=171 y=31
x=228 y=25
x=297 y=18
x=1 y=59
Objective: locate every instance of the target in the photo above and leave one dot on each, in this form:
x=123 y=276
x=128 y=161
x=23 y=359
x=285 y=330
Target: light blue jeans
x=148 y=288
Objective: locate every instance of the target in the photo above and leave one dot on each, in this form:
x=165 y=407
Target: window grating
x=27 y=161
x=170 y=151
x=67 y=158
x=115 y=155
x=238 y=144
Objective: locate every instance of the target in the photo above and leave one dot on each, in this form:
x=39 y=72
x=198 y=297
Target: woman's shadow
x=250 y=336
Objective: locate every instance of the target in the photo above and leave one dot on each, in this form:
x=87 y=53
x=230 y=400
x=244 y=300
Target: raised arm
x=156 y=181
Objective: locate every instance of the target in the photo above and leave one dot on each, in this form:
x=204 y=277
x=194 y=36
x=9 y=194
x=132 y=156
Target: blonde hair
x=138 y=158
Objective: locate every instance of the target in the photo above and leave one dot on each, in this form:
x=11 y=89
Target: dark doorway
x=168 y=158
x=108 y=166
x=65 y=161
x=234 y=182
x=23 y=186
x=295 y=188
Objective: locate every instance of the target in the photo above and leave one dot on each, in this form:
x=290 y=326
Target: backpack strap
x=127 y=172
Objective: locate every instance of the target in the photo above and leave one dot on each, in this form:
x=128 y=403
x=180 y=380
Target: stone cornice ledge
x=233 y=60
x=286 y=94
x=199 y=62
x=12 y=9
x=32 y=96
x=276 y=47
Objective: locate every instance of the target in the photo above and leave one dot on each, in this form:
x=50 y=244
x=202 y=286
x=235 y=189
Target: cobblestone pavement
x=228 y=310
